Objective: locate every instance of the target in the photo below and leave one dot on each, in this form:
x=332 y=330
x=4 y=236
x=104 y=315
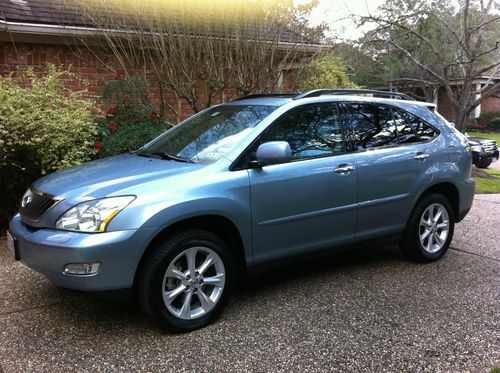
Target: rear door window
x=371 y=126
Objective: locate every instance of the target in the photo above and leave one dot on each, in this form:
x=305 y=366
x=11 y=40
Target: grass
x=488 y=186
x=485 y=135
x=483 y=185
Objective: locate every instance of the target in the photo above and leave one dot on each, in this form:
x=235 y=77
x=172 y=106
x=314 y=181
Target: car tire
x=482 y=163
x=165 y=284
x=429 y=230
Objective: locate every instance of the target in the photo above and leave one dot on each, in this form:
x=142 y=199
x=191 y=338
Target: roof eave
x=82 y=31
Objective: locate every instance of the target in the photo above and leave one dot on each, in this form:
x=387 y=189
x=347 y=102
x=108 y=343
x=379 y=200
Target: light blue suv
x=246 y=184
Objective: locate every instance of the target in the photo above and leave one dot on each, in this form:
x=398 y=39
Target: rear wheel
x=186 y=281
x=483 y=163
x=429 y=231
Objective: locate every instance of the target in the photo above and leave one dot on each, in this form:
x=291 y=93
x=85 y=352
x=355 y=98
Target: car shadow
x=118 y=309
x=353 y=257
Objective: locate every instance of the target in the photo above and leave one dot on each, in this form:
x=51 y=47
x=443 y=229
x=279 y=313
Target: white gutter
x=44 y=29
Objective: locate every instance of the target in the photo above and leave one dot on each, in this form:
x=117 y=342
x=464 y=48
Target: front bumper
x=494 y=156
x=48 y=251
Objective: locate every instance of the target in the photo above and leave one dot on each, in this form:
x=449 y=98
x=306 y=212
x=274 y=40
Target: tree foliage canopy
x=325 y=71
x=436 y=43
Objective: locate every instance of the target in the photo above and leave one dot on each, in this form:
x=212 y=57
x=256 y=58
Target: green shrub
x=127 y=129
x=490 y=120
x=43 y=128
x=130 y=120
x=124 y=91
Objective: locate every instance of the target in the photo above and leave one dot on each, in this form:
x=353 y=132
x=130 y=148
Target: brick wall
x=491 y=104
x=444 y=106
x=95 y=70
x=38 y=56
x=446 y=109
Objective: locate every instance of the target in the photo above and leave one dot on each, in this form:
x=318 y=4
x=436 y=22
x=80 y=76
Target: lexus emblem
x=26 y=200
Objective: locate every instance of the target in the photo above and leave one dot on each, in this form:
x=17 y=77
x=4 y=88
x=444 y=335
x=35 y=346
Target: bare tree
x=201 y=51
x=443 y=45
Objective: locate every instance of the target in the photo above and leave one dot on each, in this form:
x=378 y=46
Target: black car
x=484 y=151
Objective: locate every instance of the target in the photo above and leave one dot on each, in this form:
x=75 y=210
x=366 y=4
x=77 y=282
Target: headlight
x=92 y=216
x=477 y=148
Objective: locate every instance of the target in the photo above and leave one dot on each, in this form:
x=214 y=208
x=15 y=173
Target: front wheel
x=483 y=163
x=429 y=231
x=186 y=280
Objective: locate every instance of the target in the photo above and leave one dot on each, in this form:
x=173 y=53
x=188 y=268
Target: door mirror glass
x=273 y=152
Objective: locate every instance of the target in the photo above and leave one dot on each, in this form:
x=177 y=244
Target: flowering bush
x=477 y=127
x=130 y=120
x=490 y=120
x=124 y=92
x=127 y=130
x=43 y=128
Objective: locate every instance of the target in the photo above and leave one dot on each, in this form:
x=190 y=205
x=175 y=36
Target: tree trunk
x=459 y=117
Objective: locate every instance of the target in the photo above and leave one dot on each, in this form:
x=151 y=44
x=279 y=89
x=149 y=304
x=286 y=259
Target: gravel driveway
x=495 y=166
x=366 y=309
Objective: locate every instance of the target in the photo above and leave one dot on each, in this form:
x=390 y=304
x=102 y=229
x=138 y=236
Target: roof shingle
x=57 y=12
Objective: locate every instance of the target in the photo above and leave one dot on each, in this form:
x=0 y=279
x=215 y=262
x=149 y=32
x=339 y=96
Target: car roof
x=281 y=100
x=267 y=101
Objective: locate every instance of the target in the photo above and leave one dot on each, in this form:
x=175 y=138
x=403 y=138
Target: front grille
x=490 y=147
x=39 y=204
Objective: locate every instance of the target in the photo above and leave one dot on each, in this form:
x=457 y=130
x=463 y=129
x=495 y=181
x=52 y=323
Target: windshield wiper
x=166 y=156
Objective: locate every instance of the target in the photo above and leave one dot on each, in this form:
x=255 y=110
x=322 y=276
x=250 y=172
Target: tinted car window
x=424 y=131
x=371 y=126
x=312 y=131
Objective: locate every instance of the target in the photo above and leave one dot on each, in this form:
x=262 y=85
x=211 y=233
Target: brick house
x=490 y=104
x=443 y=102
x=36 y=33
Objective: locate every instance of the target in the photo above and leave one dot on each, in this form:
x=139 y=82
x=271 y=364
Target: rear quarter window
x=424 y=131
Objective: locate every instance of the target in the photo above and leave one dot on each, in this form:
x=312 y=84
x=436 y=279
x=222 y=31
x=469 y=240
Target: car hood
x=479 y=140
x=111 y=175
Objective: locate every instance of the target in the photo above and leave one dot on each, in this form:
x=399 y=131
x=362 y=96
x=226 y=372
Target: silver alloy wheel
x=193 y=283
x=434 y=228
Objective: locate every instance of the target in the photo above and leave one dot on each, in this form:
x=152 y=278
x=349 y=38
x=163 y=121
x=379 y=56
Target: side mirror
x=273 y=152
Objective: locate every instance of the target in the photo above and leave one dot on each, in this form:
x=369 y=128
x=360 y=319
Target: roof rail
x=257 y=95
x=321 y=92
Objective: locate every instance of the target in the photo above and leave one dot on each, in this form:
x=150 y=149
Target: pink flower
x=112 y=126
x=98 y=146
x=111 y=112
x=119 y=74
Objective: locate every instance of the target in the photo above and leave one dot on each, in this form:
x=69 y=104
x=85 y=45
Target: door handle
x=421 y=156
x=345 y=169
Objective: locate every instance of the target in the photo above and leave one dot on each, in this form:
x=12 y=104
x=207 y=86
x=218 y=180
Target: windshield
x=207 y=137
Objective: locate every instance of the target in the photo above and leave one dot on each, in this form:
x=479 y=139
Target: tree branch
x=486 y=92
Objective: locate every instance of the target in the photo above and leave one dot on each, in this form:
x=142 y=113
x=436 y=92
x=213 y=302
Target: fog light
x=82 y=268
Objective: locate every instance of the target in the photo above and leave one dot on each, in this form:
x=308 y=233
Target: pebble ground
x=366 y=309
